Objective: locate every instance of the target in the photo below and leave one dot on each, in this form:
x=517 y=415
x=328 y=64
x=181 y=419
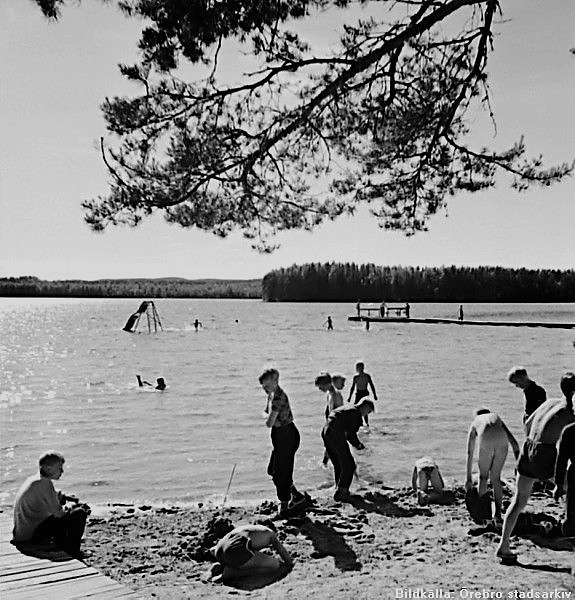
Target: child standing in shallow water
x=326 y=383
x=360 y=383
x=285 y=439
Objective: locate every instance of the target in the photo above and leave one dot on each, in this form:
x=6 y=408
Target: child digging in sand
x=238 y=552
x=493 y=439
x=341 y=427
x=39 y=513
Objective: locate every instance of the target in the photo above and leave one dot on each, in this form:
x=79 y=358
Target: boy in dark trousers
x=341 y=427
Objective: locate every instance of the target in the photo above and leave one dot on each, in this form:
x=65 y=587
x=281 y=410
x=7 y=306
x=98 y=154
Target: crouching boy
x=238 y=552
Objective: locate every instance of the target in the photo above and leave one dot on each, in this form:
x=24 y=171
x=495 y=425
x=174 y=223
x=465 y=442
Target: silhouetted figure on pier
x=460 y=316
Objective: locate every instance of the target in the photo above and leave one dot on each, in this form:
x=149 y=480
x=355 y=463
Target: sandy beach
x=382 y=546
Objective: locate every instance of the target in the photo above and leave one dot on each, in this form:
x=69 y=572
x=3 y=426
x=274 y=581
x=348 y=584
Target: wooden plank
x=27 y=577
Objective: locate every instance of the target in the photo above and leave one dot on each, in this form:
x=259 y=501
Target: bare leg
x=495 y=476
x=484 y=460
x=519 y=502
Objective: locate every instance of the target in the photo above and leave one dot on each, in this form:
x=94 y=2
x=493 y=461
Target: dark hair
x=323 y=379
x=482 y=411
x=567 y=385
x=267 y=374
x=50 y=458
x=366 y=402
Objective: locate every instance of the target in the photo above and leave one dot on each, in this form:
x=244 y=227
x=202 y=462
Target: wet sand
x=382 y=546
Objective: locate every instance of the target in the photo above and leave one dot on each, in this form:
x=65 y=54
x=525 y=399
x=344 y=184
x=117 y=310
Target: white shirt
x=35 y=501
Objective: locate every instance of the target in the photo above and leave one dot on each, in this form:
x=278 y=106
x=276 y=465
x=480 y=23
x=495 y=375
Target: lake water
x=67 y=382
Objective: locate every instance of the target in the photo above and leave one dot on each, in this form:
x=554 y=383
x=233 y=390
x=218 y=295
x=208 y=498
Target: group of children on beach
x=548 y=452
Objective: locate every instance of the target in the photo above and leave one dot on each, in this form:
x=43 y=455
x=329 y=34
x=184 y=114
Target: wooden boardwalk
x=548 y=324
x=50 y=574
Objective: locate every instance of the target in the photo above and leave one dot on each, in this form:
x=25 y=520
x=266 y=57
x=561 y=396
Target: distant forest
x=133 y=288
x=349 y=282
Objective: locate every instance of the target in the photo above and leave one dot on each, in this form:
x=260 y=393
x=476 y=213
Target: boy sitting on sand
x=238 y=552
x=360 y=383
x=38 y=510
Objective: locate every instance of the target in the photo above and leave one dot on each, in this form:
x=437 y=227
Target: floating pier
x=549 y=324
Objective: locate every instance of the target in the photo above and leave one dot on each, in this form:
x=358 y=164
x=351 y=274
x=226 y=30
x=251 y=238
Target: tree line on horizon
x=131 y=288
x=349 y=282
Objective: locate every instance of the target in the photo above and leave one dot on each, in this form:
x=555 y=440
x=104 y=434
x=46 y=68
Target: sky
x=54 y=76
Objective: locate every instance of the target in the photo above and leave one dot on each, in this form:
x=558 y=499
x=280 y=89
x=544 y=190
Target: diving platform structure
x=400 y=313
x=148 y=308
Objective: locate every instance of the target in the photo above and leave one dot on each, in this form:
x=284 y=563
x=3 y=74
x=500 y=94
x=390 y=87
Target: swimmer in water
x=160 y=383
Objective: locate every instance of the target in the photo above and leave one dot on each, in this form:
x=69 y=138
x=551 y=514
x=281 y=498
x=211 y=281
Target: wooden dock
x=46 y=574
x=548 y=324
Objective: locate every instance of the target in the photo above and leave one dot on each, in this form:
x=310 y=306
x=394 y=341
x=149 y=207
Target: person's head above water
x=518 y=377
x=51 y=465
x=567 y=385
x=323 y=381
x=359 y=367
x=269 y=380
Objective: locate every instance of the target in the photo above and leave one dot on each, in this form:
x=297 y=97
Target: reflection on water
x=68 y=381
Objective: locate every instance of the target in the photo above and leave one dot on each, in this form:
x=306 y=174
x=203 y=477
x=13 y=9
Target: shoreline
x=380 y=546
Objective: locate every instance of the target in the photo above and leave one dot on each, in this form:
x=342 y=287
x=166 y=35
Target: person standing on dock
x=538 y=456
x=285 y=439
x=566 y=454
x=361 y=381
x=460 y=315
x=358 y=308
x=407 y=310
x=535 y=395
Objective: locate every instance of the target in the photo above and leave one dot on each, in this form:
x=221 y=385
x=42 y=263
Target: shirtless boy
x=360 y=383
x=538 y=456
x=493 y=438
x=238 y=552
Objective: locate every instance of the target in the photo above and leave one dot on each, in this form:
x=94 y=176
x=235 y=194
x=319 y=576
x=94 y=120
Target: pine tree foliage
x=381 y=120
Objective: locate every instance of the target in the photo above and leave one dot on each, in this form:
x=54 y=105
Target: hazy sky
x=53 y=78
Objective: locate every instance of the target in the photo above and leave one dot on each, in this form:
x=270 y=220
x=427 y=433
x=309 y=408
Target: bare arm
x=280 y=549
x=414 y=479
x=512 y=440
x=471 y=436
x=271 y=418
x=352 y=389
x=370 y=383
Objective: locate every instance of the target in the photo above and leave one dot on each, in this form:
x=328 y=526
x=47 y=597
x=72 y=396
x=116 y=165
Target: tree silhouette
x=382 y=119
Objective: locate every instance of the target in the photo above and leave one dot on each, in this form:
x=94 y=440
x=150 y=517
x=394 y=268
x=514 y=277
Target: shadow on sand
x=257 y=580
x=375 y=502
x=328 y=542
